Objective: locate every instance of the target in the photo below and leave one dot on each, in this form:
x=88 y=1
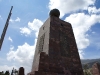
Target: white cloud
x=35 y=25
x=25 y=31
x=10 y=39
x=36 y=33
x=16 y=20
x=81 y=53
x=93 y=10
x=11 y=20
x=32 y=26
x=11 y=47
x=81 y=23
x=23 y=55
x=67 y=6
x=0 y=17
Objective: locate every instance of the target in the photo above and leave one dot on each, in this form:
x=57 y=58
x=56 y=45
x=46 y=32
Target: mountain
x=90 y=62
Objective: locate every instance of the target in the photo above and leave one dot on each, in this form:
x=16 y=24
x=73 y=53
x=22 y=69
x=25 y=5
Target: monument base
x=55 y=66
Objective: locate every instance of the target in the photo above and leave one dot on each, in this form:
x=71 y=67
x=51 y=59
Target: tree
x=86 y=68
x=16 y=72
x=7 y=73
x=2 y=73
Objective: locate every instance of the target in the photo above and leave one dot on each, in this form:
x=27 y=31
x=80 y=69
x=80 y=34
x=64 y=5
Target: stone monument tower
x=56 y=50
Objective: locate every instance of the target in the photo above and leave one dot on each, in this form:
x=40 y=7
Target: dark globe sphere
x=55 y=12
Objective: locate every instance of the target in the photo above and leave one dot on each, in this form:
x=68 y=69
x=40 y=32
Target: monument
x=56 y=50
x=21 y=71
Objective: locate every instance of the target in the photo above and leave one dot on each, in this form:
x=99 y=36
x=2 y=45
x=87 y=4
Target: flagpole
x=5 y=28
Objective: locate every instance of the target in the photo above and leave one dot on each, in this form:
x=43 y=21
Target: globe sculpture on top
x=55 y=12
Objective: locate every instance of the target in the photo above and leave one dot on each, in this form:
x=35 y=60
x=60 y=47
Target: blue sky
x=28 y=16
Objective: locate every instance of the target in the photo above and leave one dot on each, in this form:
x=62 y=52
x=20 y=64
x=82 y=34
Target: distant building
x=56 y=50
x=96 y=69
x=21 y=71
